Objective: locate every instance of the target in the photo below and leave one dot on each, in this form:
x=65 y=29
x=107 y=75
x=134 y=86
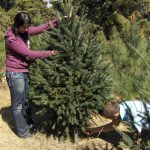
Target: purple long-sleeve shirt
x=18 y=55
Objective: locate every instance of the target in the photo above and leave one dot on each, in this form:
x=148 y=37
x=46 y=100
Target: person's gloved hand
x=88 y=131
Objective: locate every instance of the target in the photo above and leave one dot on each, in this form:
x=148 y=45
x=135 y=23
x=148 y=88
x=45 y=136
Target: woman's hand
x=54 y=52
x=53 y=23
x=64 y=17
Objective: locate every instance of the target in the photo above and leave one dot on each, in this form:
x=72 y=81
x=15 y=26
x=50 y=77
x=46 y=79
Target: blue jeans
x=18 y=83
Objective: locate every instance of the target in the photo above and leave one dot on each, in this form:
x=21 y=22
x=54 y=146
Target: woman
x=18 y=60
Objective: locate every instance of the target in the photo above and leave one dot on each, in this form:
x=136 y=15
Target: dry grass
x=94 y=144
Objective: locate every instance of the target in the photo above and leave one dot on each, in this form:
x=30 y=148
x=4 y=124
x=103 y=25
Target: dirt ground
x=9 y=140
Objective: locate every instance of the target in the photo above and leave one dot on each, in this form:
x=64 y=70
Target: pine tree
x=128 y=52
x=102 y=12
x=75 y=83
x=137 y=64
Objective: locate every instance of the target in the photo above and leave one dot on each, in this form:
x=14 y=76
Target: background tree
x=76 y=83
x=103 y=12
x=117 y=20
x=7 y=4
x=128 y=53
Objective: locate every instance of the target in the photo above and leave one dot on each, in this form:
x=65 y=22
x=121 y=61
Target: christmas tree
x=75 y=83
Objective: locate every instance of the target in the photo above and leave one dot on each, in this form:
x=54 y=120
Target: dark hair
x=111 y=108
x=20 y=19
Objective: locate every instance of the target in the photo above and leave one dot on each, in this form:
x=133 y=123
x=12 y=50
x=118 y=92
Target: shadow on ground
x=7 y=117
x=112 y=137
